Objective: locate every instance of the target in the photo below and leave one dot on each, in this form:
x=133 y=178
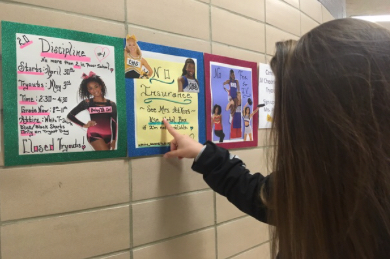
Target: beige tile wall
x=236 y=30
x=149 y=207
x=326 y=15
x=38 y=191
x=235 y=52
x=307 y=23
x=78 y=235
x=248 y=233
x=294 y=3
x=250 y=8
x=1 y=117
x=200 y=244
x=189 y=18
x=172 y=216
x=273 y=35
x=312 y=8
x=261 y=251
x=125 y=255
x=283 y=16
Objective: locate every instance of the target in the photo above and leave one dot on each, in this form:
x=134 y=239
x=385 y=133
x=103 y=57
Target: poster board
x=43 y=69
x=266 y=95
x=231 y=90
x=185 y=111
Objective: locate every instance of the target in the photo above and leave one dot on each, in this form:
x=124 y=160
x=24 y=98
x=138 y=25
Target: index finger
x=170 y=129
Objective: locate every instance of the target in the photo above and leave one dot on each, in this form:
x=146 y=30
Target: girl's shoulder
x=182 y=78
x=112 y=103
x=85 y=102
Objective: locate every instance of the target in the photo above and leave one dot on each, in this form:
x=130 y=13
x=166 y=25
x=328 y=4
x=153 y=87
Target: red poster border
x=235 y=62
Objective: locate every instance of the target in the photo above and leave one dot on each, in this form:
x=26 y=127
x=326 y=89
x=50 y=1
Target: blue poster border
x=133 y=151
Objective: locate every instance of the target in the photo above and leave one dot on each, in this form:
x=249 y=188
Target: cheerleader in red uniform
x=102 y=128
x=216 y=120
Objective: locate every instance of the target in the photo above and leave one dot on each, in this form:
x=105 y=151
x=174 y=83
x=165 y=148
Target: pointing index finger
x=170 y=129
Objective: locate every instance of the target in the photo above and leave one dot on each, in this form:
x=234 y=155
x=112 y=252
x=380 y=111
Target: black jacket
x=227 y=175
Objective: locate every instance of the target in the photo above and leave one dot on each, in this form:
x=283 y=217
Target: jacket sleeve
x=227 y=175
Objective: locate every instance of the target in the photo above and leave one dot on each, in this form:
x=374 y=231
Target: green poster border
x=10 y=116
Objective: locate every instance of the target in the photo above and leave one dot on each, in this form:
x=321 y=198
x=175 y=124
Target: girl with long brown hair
x=329 y=195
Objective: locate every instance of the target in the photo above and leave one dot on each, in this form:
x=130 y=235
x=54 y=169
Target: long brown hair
x=331 y=190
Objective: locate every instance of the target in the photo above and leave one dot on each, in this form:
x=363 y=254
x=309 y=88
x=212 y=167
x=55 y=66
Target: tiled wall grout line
x=60 y=11
x=164 y=31
x=170 y=196
x=0 y=228
x=233 y=46
x=215 y=224
x=265 y=37
x=300 y=22
x=201 y=2
x=232 y=220
x=282 y=30
x=126 y=30
x=238 y=14
x=290 y=4
x=256 y=20
x=126 y=20
x=299 y=5
x=129 y=164
x=1 y=144
x=312 y=18
x=172 y=237
x=243 y=149
x=211 y=29
x=0 y=237
x=131 y=208
x=61 y=163
x=104 y=256
x=265 y=32
x=246 y=250
x=62 y=214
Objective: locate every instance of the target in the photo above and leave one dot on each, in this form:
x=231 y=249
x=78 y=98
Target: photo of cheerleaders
x=134 y=60
x=187 y=82
x=234 y=106
x=102 y=128
x=216 y=121
x=234 y=86
x=247 y=116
